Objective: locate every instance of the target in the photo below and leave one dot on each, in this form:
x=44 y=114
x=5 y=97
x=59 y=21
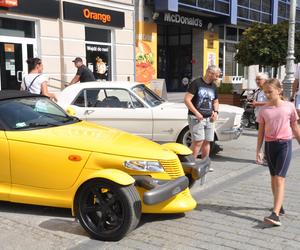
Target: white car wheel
x=185 y=138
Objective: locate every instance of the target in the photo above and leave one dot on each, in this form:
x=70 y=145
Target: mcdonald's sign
x=8 y=3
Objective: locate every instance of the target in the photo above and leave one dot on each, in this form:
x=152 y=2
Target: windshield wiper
x=41 y=124
x=71 y=118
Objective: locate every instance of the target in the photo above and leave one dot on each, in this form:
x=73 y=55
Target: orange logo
x=104 y=18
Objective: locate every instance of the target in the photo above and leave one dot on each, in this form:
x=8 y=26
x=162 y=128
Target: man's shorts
x=297 y=102
x=201 y=130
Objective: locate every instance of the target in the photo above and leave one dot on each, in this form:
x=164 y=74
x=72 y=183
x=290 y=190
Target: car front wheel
x=106 y=210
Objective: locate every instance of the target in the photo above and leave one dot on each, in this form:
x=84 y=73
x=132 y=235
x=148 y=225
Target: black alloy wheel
x=106 y=210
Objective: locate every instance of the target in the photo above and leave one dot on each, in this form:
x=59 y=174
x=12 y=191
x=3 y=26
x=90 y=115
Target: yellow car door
x=39 y=161
x=5 y=180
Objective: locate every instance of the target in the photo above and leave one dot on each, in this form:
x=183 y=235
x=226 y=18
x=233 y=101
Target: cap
x=77 y=59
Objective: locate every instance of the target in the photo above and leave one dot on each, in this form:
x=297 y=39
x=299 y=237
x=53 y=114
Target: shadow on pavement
x=64 y=225
x=220 y=158
x=146 y=218
x=9 y=207
x=232 y=211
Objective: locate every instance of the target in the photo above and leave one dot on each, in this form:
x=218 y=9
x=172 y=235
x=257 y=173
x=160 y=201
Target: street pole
x=289 y=69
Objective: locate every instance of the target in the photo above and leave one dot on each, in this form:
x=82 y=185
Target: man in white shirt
x=295 y=90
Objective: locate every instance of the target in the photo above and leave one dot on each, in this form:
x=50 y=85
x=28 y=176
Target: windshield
x=147 y=95
x=33 y=112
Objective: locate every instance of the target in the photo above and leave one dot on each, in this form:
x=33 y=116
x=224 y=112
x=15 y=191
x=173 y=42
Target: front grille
x=173 y=168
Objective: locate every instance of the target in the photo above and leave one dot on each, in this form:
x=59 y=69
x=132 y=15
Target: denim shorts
x=201 y=130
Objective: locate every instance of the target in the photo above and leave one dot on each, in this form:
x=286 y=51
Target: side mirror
x=71 y=111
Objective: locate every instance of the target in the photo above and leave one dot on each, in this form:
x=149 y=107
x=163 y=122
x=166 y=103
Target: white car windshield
x=147 y=95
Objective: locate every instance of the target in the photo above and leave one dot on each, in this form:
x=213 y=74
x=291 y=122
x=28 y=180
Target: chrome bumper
x=233 y=132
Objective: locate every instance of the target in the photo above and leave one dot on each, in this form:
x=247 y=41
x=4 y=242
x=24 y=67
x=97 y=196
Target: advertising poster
x=146 y=52
x=211 y=49
x=98 y=58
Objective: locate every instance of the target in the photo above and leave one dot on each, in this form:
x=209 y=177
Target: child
x=277 y=124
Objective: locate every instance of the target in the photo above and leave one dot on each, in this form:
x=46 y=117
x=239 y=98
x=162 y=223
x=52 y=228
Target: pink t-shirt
x=278 y=121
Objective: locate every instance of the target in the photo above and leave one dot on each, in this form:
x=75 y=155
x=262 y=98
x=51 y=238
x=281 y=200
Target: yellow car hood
x=94 y=138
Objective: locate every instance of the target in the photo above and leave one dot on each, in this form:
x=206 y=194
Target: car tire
x=185 y=138
x=106 y=210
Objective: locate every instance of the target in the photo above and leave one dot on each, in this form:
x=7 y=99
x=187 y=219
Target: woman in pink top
x=277 y=124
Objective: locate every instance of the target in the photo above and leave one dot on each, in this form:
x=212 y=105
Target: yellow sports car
x=105 y=176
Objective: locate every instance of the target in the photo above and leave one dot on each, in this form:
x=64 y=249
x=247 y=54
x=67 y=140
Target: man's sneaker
x=211 y=169
x=273 y=219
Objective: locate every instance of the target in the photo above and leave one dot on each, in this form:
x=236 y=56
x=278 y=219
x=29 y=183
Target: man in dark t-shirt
x=83 y=73
x=203 y=104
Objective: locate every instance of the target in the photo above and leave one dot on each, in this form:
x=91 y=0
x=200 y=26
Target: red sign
x=8 y=3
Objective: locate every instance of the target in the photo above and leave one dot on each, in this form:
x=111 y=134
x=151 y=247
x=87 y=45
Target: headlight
x=149 y=166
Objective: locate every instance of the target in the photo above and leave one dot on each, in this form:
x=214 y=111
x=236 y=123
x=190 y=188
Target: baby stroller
x=248 y=118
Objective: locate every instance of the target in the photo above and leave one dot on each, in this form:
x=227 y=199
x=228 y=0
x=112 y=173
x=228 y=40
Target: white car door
x=116 y=108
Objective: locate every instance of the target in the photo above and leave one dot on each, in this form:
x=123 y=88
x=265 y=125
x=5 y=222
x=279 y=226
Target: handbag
x=28 y=88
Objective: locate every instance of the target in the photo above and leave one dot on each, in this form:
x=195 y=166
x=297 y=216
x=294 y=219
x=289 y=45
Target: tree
x=266 y=45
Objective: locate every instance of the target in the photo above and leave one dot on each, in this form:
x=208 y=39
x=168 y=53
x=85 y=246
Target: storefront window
x=98 y=52
x=18 y=28
x=230 y=69
x=174 y=56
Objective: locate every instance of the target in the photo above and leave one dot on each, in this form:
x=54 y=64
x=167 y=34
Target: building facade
x=57 y=31
x=192 y=34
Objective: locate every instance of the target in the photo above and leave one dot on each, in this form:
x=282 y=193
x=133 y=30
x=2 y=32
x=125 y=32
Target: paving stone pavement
x=231 y=207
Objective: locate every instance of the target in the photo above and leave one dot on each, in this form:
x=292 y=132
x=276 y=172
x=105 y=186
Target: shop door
x=11 y=64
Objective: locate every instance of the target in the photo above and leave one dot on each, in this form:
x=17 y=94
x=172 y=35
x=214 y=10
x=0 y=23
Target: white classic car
x=134 y=108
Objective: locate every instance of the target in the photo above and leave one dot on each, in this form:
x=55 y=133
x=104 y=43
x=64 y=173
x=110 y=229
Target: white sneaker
x=211 y=169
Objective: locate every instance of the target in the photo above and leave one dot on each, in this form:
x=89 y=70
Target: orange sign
x=104 y=18
x=8 y=3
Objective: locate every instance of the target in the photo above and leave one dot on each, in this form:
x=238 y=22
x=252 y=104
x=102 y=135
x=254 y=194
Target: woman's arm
x=44 y=90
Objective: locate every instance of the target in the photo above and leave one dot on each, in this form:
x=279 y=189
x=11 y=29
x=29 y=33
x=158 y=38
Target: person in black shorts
x=277 y=126
x=83 y=73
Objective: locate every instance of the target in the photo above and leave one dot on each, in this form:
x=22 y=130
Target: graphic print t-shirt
x=204 y=95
